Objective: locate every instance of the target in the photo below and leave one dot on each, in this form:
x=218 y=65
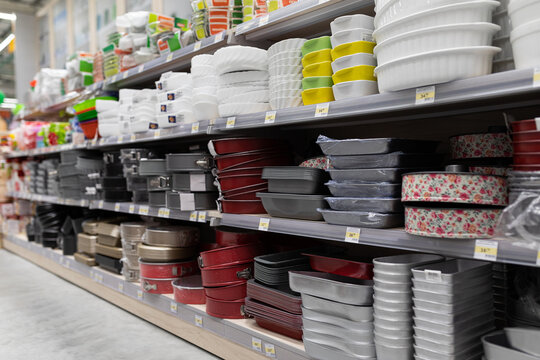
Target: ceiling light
x=8 y=16
x=6 y=41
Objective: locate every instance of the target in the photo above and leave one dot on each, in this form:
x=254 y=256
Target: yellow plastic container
x=361 y=72
x=352 y=48
x=317 y=57
x=319 y=69
x=317 y=95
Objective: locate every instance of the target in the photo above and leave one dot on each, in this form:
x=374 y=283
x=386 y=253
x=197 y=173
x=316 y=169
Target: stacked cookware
x=174 y=106
x=108 y=247
x=285 y=69
x=50 y=218
x=166 y=254
x=294 y=192
x=47 y=182
x=131 y=234
x=453 y=204
x=352 y=56
x=67 y=237
x=366 y=178
x=205 y=80
x=317 y=71
x=138 y=110
x=272 y=270
x=70 y=185
x=337 y=315
x=90 y=169
x=190 y=184
x=392 y=301
x=136 y=183
x=512 y=343
x=86 y=243
x=153 y=170
x=525 y=32
x=504 y=60
x=453 y=309
x=113 y=183
x=225 y=272
x=239 y=164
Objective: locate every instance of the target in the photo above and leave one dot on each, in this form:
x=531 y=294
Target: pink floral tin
x=490 y=145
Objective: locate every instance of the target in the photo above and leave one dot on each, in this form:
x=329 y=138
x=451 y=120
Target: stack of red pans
x=526 y=144
x=239 y=163
x=225 y=272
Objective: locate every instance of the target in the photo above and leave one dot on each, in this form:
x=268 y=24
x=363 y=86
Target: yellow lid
x=317 y=95
x=361 y=72
x=319 y=69
x=352 y=48
x=317 y=57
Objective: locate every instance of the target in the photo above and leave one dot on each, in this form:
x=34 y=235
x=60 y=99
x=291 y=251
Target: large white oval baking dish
x=525 y=45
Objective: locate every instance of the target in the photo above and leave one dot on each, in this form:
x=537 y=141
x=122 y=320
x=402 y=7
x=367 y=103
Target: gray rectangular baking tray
x=357 y=189
x=362 y=219
x=472 y=331
x=189 y=162
x=149 y=167
x=391 y=160
x=477 y=292
x=526 y=340
x=346 y=334
x=195 y=182
x=191 y=201
x=293 y=206
x=322 y=352
x=452 y=271
x=380 y=205
x=354 y=326
x=446 y=348
x=373 y=146
x=158 y=183
x=349 y=312
x=371 y=175
x=497 y=347
x=157 y=198
x=473 y=352
x=295 y=179
x=355 y=348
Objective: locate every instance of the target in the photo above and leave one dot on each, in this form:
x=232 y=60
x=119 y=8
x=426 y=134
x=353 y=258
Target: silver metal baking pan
x=322 y=352
x=390 y=341
x=392 y=286
x=526 y=340
x=473 y=331
x=450 y=289
x=365 y=190
x=158 y=183
x=173 y=236
x=380 y=205
x=332 y=287
x=453 y=328
x=455 y=307
x=497 y=347
x=362 y=219
x=478 y=293
x=346 y=334
x=392 y=331
x=385 y=352
x=394 y=305
x=448 y=319
x=452 y=271
x=393 y=325
x=355 y=326
x=391 y=175
x=359 y=350
x=149 y=167
x=293 y=206
x=346 y=311
x=454 y=348
x=295 y=180
x=472 y=353
x=189 y=162
x=157 y=198
x=392 y=160
x=392 y=276
x=187 y=201
x=391 y=314
x=195 y=182
x=402 y=264
x=373 y=146
x=385 y=295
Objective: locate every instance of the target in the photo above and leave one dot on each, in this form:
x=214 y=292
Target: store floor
x=44 y=317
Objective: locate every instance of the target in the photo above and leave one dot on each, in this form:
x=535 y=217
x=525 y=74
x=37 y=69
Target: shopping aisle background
x=44 y=317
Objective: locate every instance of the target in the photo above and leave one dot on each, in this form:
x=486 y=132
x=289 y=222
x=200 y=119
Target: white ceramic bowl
x=280 y=78
x=522 y=12
x=396 y=9
x=204 y=81
x=204 y=110
x=352 y=35
x=353 y=60
x=435 y=67
x=286 y=85
x=348 y=22
x=109 y=129
x=294 y=44
x=286 y=93
x=240 y=58
x=260 y=96
x=206 y=97
x=434 y=38
x=242 y=77
x=202 y=60
x=285 y=70
x=525 y=45
x=351 y=89
x=290 y=61
x=203 y=70
x=285 y=102
x=284 y=55
x=457 y=13
x=226 y=93
x=209 y=90
x=503 y=20
x=226 y=110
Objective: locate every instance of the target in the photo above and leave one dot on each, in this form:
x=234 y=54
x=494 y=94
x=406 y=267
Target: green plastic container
x=317 y=82
x=316 y=44
x=90 y=103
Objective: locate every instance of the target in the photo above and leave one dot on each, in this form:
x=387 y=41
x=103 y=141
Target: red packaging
x=230 y=254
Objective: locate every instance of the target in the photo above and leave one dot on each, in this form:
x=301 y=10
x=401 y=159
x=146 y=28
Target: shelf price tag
x=174 y=307
x=140 y=294
x=141 y=69
x=538 y=259
x=100 y=204
x=352 y=235
x=143 y=210
x=117 y=207
x=164 y=212
x=231 y=121
x=125 y=75
x=256 y=344
x=270 y=117
x=157 y=133
x=219 y=37
x=270 y=350
x=113 y=80
x=169 y=57
x=131 y=209
x=202 y=216
x=121 y=287
x=193 y=216
x=264 y=224
x=263 y=20
x=133 y=137
x=198 y=321
x=120 y=139
x=323 y=1
x=195 y=128
x=322 y=110
x=197 y=46
x=536 y=77
x=486 y=250
x=425 y=95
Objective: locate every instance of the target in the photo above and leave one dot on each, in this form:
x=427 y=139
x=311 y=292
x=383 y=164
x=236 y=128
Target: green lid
x=316 y=44
x=317 y=82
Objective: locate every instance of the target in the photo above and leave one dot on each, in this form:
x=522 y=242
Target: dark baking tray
x=136 y=183
x=157 y=198
x=186 y=162
x=113 y=170
x=395 y=159
x=380 y=205
x=284 y=300
x=373 y=146
x=295 y=179
x=362 y=219
x=282 y=259
x=391 y=175
x=108 y=263
x=293 y=206
x=158 y=183
x=140 y=197
x=114 y=196
x=113 y=182
x=182 y=182
x=358 y=189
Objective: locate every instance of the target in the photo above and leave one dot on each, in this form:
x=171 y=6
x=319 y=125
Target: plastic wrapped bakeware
x=191 y=201
x=362 y=219
x=358 y=189
x=194 y=182
x=379 y=205
x=189 y=162
x=132 y=230
x=374 y=146
x=158 y=183
x=389 y=175
x=152 y=167
x=390 y=160
x=294 y=180
x=90 y=226
x=293 y=206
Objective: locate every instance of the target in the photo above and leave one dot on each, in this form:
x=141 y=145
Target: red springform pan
x=237 y=145
x=157 y=286
x=230 y=292
x=235 y=237
x=526 y=136
x=527 y=158
x=189 y=290
x=343 y=267
x=526 y=147
x=242 y=206
x=167 y=270
x=225 y=309
x=230 y=254
x=224 y=275
x=525 y=125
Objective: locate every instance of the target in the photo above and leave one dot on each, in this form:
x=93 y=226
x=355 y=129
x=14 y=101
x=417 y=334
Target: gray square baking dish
x=293 y=206
x=392 y=160
x=373 y=146
x=362 y=219
x=295 y=179
x=195 y=181
x=380 y=205
x=392 y=175
x=366 y=190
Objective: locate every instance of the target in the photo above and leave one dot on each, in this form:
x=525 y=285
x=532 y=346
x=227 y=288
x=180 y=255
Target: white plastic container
x=353 y=60
x=352 y=35
x=525 y=45
x=457 y=13
x=204 y=110
x=294 y=44
x=351 y=89
x=522 y=12
x=435 y=67
x=348 y=22
x=434 y=38
x=238 y=58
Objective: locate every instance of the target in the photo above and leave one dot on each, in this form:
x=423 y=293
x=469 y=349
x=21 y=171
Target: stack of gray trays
x=191 y=184
x=42 y=178
x=135 y=182
x=512 y=344
x=31 y=168
x=500 y=294
x=113 y=184
x=523 y=182
x=366 y=178
x=90 y=168
x=453 y=309
x=72 y=171
x=156 y=180
x=392 y=302
x=337 y=315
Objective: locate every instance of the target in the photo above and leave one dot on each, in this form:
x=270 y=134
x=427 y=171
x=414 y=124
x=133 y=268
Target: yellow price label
x=195 y=128
x=157 y=133
x=169 y=57
x=538 y=259
x=202 y=216
x=114 y=78
x=256 y=344
x=198 y=321
x=270 y=350
x=143 y=210
x=231 y=121
x=352 y=235
x=322 y=110
x=139 y=294
x=264 y=224
x=270 y=117
x=133 y=137
x=117 y=207
x=219 y=37
x=486 y=250
x=121 y=287
x=425 y=95
x=193 y=216
x=197 y=46
x=174 y=307
x=263 y=20
x=164 y=212
x=131 y=209
x=100 y=204
x=536 y=77
x=120 y=139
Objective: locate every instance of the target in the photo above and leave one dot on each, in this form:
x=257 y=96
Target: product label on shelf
x=193 y=216
x=125 y=75
x=117 y=207
x=425 y=95
x=120 y=139
x=322 y=110
x=538 y=259
x=195 y=128
x=536 y=77
x=113 y=80
x=202 y=216
x=197 y=46
x=174 y=307
x=131 y=209
x=198 y=321
x=169 y=57
x=143 y=210
x=141 y=68
x=139 y=294
x=270 y=350
x=486 y=250
x=323 y=1
x=256 y=344
x=100 y=204
x=270 y=117
x=133 y=137
x=352 y=235
x=121 y=287
x=264 y=224
x=231 y=121
x=263 y=20
x=164 y=212
x=219 y=37
x=433 y=275
x=157 y=133
x=102 y=141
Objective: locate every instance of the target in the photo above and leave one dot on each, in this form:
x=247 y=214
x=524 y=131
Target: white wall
x=26 y=53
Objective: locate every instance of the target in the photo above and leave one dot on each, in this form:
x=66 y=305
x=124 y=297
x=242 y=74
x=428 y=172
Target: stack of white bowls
x=137 y=110
x=285 y=68
x=174 y=101
x=108 y=118
x=242 y=80
x=503 y=60
x=205 y=79
x=392 y=304
x=425 y=42
x=525 y=35
x=352 y=31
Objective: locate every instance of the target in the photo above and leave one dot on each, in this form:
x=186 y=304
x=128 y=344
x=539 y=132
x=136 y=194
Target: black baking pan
x=109 y=263
x=113 y=182
x=157 y=198
x=116 y=196
x=158 y=183
x=114 y=170
x=189 y=162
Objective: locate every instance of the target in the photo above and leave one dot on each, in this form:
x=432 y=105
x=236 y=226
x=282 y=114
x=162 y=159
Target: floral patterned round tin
x=451 y=223
x=491 y=145
x=463 y=188
x=490 y=170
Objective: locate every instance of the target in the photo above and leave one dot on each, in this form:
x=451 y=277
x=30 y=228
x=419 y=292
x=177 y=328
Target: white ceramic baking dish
x=205 y=90
x=434 y=38
x=290 y=61
x=224 y=94
x=435 y=67
x=260 y=96
x=286 y=85
x=242 y=77
x=352 y=61
x=522 y=12
x=352 y=35
x=284 y=55
x=457 y=13
x=348 y=22
x=227 y=110
x=202 y=60
x=294 y=44
x=285 y=102
x=206 y=80
x=239 y=58
x=285 y=70
x=525 y=45
x=286 y=93
x=351 y=89
x=202 y=70
x=204 y=110
x=394 y=10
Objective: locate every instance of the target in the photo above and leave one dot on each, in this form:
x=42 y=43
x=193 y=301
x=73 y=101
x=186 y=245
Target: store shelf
x=230 y=339
x=303 y=15
x=55 y=109
x=50 y=199
x=47 y=150
x=506 y=252
x=500 y=91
